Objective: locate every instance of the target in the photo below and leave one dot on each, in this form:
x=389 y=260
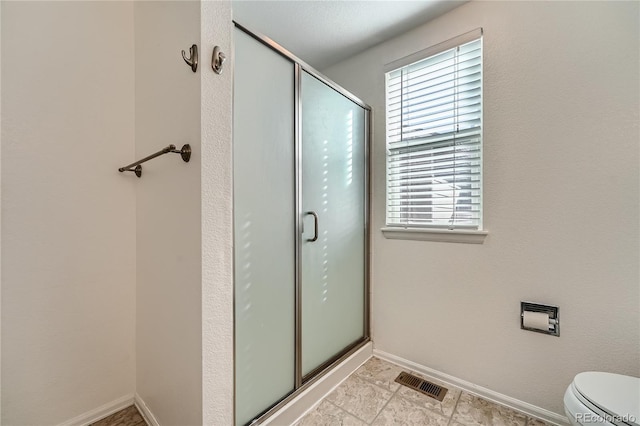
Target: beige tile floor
x=370 y=396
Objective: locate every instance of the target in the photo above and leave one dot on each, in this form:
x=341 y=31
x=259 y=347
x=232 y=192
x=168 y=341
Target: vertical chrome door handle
x=315 y=226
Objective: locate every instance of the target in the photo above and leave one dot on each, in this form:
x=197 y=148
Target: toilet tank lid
x=614 y=393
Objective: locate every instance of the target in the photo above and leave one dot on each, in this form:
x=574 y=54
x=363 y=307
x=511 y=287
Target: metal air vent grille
x=421 y=385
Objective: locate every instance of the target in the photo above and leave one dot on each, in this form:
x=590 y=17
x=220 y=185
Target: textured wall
x=68 y=216
x=0 y=212
x=217 y=219
x=561 y=84
x=168 y=298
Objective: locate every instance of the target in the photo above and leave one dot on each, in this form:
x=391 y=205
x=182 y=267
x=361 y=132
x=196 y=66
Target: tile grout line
x=441 y=412
x=345 y=411
x=397 y=393
x=371 y=382
x=384 y=406
x=527 y=417
x=455 y=407
x=430 y=410
x=528 y=420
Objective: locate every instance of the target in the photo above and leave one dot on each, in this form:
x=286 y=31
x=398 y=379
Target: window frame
x=436 y=232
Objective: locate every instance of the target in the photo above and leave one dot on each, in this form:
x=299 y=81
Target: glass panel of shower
x=300 y=225
x=333 y=202
x=264 y=233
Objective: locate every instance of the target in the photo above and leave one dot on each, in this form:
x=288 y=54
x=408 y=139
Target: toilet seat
x=575 y=408
x=610 y=399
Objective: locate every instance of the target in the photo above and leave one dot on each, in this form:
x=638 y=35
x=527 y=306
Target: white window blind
x=434 y=140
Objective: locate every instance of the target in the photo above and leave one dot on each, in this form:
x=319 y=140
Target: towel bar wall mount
x=185 y=153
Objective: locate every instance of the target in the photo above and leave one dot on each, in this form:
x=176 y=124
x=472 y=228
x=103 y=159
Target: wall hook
x=217 y=60
x=192 y=60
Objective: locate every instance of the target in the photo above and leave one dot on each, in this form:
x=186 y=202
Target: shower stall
x=301 y=217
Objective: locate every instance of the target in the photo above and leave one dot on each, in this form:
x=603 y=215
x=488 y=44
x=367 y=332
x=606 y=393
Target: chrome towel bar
x=185 y=153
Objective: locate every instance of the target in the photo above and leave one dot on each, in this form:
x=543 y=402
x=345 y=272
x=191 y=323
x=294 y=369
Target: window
x=434 y=137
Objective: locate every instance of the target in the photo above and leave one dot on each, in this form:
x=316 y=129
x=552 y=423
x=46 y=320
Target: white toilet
x=596 y=398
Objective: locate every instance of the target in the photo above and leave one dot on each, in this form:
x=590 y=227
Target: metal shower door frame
x=303 y=382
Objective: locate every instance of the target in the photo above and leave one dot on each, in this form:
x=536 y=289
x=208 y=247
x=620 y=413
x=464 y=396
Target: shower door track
x=303 y=382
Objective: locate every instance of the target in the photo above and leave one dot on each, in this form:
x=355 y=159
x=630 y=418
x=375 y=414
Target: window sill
x=439 y=235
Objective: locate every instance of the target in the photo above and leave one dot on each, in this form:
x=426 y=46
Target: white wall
x=76 y=106
x=0 y=214
x=68 y=216
x=561 y=84
x=217 y=226
x=168 y=297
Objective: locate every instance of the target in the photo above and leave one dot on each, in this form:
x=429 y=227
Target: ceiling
x=325 y=32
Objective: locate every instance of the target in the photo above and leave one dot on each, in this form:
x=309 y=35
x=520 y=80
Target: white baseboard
x=100 y=412
x=307 y=400
x=488 y=394
x=145 y=411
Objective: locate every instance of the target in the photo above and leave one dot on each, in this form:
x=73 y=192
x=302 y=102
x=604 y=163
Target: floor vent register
x=421 y=385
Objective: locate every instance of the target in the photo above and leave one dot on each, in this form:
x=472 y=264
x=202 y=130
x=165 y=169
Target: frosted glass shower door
x=333 y=199
x=264 y=227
